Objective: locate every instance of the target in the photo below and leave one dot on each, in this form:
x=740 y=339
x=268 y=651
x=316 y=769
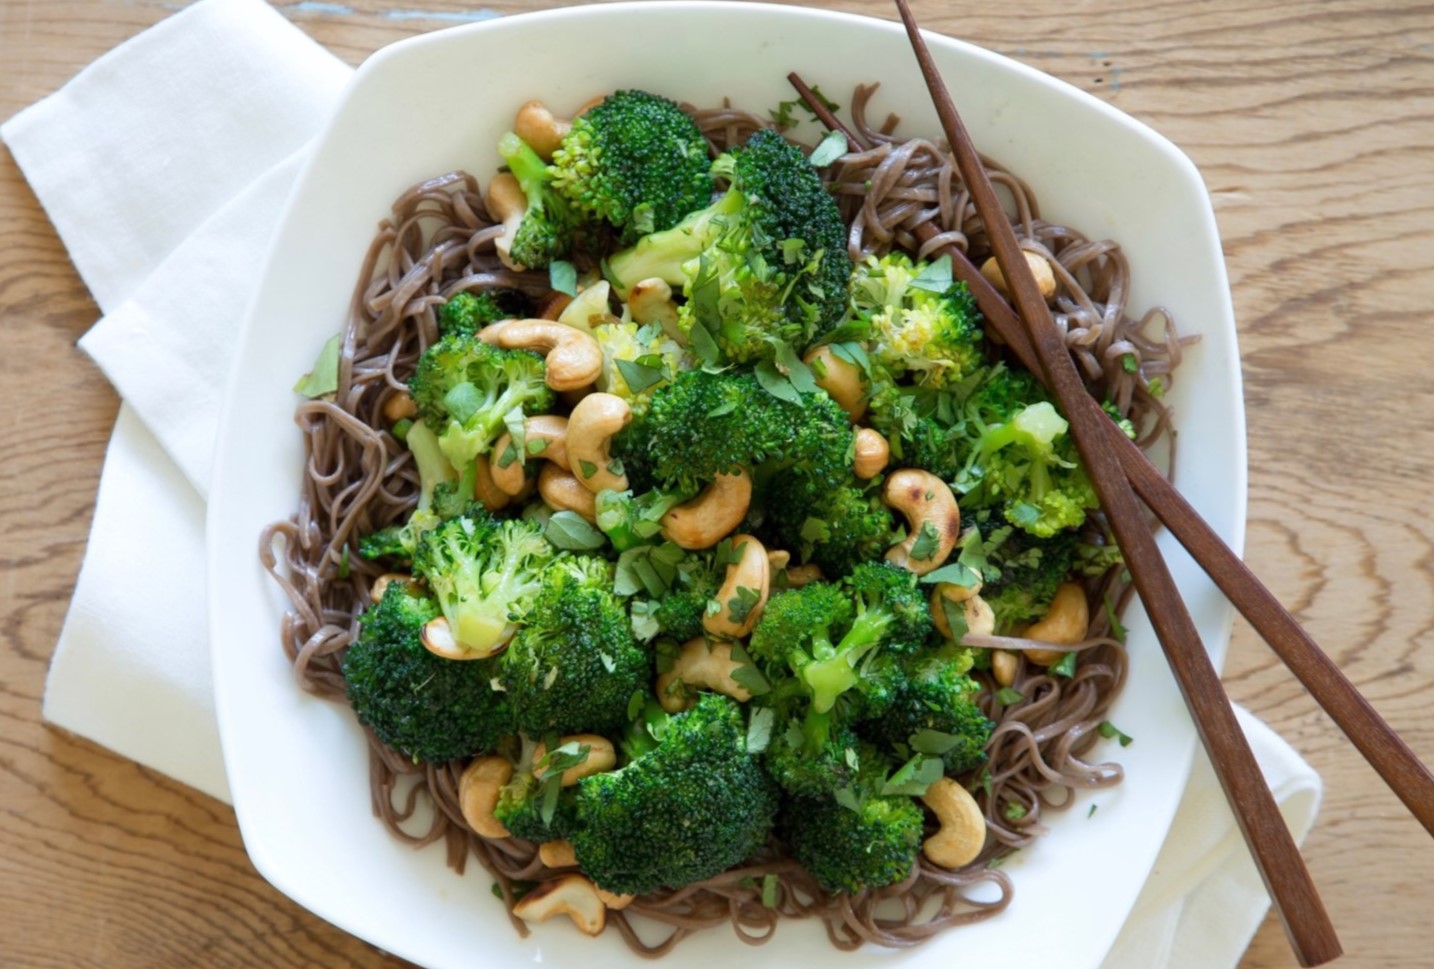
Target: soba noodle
x=359 y=478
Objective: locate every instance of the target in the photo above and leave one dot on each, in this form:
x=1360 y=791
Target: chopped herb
x=1109 y=730
x=1156 y=386
x=509 y=455
x=571 y=532
x=740 y=606
x=776 y=383
x=832 y=147
x=759 y=729
x=1014 y=811
x=796 y=371
x=1065 y=666
x=324 y=378
x=588 y=468
x=928 y=540
x=1117 y=628
x=1007 y=696
x=635 y=704
x=1091 y=812
x=933 y=742
x=1128 y=363
x=640 y=376
x=934 y=277
x=955 y=615
x=747 y=674
x=343 y=572
x=915 y=776
x=401 y=428
x=771 y=890
x=536 y=446
x=563 y=277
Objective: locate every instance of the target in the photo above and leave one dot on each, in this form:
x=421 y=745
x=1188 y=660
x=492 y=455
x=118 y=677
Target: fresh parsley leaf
x=1065 y=666
x=955 y=615
x=935 y=277
x=324 y=377
x=588 y=468
x=571 y=532
x=928 y=540
x=563 y=277
x=776 y=383
x=1109 y=730
x=955 y=574
x=933 y=742
x=915 y=776
x=747 y=674
x=639 y=376
x=740 y=606
x=795 y=370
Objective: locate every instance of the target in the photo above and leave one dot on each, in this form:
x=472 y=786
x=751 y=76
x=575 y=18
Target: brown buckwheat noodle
x=439 y=241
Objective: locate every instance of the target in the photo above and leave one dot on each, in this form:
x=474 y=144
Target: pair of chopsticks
x=1120 y=472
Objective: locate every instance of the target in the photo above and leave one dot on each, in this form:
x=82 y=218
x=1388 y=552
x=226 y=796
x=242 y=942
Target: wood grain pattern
x=1313 y=124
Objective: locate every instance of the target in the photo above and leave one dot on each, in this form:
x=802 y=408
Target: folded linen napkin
x=202 y=123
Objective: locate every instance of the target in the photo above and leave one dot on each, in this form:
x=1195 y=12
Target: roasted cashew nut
x=571 y=895
x=1065 y=623
x=613 y=901
x=841 y=379
x=381 y=584
x=594 y=421
x=872 y=454
x=573 y=357
x=963 y=828
x=700 y=665
x=1004 y=665
x=437 y=637
x=744 y=591
x=1040 y=268
x=601 y=756
x=478 y=790
x=932 y=517
x=486 y=489
x=980 y=619
x=800 y=575
x=507 y=204
x=558 y=854
x=549 y=429
x=399 y=407
x=704 y=520
x=564 y=492
x=540 y=128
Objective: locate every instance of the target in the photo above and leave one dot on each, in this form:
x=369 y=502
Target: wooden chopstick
x=1383 y=748
x=1306 y=923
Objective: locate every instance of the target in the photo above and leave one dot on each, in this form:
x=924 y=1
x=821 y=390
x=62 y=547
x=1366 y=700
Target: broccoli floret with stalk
x=936 y=705
x=549 y=224
x=635 y=161
x=574 y=664
x=692 y=803
x=425 y=707
x=1029 y=464
x=764 y=265
x=533 y=804
x=436 y=491
x=679 y=613
x=485 y=574
x=467 y=313
x=917 y=321
x=466 y=389
x=865 y=840
x=704 y=424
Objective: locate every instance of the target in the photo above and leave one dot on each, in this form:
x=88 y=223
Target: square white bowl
x=297 y=766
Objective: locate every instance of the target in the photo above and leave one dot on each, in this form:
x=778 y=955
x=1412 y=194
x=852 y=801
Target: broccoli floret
x=1023 y=571
x=811 y=770
x=836 y=525
x=704 y=424
x=766 y=264
x=680 y=612
x=550 y=225
x=1030 y=465
x=574 y=665
x=645 y=354
x=465 y=388
x=533 y=804
x=425 y=707
x=936 y=694
x=864 y=840
x=485 y=574
x=467 y=313
x=917 y=322
x=685 y=809
x=437 y=490
x=636 y=161
x=882 y=588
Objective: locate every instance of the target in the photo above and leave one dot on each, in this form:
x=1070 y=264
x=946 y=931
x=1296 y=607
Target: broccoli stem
x=666 y=254
x=829 y=676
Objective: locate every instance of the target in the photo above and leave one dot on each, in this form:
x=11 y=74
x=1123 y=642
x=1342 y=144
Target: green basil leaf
x=563 y=277
x=832 y=147
x=324 y=377
x=639 y=376
x=571 y=532
x=759 y=729
x=934 y=277
x=915 y=776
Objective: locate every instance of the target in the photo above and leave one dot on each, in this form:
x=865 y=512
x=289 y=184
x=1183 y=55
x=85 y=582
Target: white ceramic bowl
x=297 y=766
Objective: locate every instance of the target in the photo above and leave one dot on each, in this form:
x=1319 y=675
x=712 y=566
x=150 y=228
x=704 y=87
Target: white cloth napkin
x=164 y=166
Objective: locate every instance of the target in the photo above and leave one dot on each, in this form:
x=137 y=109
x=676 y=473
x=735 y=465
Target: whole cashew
x=381 y=584
x=800 y=575
x=551 y=429
x=746 y=586
x=1045 y=279
x=963 y=828
x=486 y=489
x=980 y=619
x=704 y=520
x=1004 y=665
x=872 y=454
x=1065 y=623
x=700 y=664
x=507 y=204
x=540 y=128
x=557 y=854
x=615 y=902
x=601 y=756
x=931 y=516
x=571 y=895
x=594 y=421
x=437 y=637
x=842 y=380
x=574 y=358
x=399 y=407
x=478 y=791
x=564 y=492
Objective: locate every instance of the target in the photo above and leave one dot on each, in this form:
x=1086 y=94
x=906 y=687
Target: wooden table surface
x=1313 y=124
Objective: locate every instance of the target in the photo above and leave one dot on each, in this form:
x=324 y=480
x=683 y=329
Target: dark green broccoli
x=916 y=320
x=631 y=519
x=704 y=424
x=803 y=768
x=534 y=805
x=864 y=840
x=764 y=265
x=574 y=664
x=464 y=388
x=549 y=225
x=467 y=313
x=691 y=804
x=636 y=161
x=437 y=492
x=485 y=574
x=425 y=707
x=680 y=612
x=1023 y=571
x=939 y=698
x=836 y=525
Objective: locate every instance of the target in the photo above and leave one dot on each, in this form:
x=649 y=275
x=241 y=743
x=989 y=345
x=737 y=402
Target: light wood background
x=1313 y=123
